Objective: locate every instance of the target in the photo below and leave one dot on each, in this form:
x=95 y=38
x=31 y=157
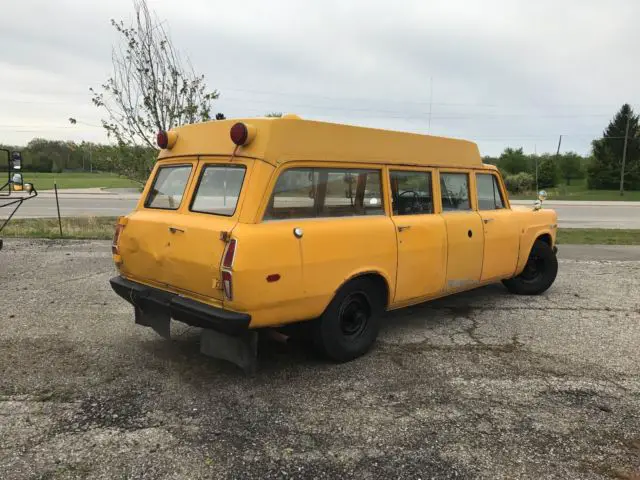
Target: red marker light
x=239 y=133
x=162 y=139
x=242 y=133
x=167 y=139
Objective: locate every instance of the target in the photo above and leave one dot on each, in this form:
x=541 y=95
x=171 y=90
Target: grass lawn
x=598 y=236
x=72 y=227
x=44 y=181
x=578 y=191
x=102 y=228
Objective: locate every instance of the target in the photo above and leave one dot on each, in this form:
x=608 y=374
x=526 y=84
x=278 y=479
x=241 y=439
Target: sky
x=498 y=72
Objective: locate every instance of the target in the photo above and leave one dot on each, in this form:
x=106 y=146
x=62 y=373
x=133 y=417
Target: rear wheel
x=350 y=324
x=539 y=273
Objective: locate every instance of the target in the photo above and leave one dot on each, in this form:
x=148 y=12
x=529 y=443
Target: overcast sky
x=503 y=72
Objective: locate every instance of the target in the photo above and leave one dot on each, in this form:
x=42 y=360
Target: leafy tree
x=514 y=161
x=547 y=171
x=273 y=115
x=606 y=167
x=570 y=165
x=150 y=88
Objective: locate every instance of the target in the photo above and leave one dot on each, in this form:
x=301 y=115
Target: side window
x=326 y=192
x=454 y=188
x=168 y=187
x=411 y=192
x=489 y=195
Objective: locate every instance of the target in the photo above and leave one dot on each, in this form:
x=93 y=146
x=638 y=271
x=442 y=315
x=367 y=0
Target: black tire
x=539 y=273
x=349 y=326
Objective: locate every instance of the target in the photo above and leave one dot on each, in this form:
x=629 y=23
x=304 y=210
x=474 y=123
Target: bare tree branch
x=149 y=89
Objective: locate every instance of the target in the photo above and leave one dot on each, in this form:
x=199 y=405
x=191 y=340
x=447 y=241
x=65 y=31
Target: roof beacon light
x=242 y=134
x=167 y=139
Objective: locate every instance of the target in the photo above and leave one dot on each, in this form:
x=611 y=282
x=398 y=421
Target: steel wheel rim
x=354 y=315
x=534 y=268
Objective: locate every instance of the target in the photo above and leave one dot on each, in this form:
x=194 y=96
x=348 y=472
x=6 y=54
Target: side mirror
x=16 y=179
x=16 y=160
x=542 y=195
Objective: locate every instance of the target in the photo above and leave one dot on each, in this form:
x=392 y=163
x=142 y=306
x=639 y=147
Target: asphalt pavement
x=483 y=384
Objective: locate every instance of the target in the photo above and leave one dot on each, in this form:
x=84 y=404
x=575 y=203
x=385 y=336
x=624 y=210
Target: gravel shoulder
x=479 y=385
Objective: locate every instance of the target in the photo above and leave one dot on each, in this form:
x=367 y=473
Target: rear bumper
x=180 y=308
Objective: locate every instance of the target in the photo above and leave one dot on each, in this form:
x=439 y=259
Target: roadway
x=570 y=214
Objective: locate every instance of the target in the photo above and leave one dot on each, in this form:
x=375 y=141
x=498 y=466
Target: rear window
x=219 y=189
x=168 y=187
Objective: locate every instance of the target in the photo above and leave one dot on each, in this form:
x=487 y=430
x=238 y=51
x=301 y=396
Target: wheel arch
x=378 y=278
x=527 y=244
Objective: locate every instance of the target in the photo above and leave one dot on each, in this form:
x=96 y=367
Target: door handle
x=487 y=220
x=175 y=229
x=402 y=228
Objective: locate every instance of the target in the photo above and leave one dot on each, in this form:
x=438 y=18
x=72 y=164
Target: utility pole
x=624 y=155
x=535 y=154
x=559 y=143
x=430 y=102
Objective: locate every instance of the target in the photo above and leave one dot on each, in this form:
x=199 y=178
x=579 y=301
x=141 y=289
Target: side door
x=465 y=242
x=421 y=235
x=501 y=231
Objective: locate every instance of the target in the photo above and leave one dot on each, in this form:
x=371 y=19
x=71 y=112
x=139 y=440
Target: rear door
x=195 y=246
x=145 y=241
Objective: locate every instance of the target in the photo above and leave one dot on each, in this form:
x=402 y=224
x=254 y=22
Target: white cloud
x=505 y=72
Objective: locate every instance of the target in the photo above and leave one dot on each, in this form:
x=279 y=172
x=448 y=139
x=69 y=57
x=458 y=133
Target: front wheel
x=350 y=324
x=539 y=273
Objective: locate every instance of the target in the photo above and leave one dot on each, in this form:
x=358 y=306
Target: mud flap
x=158 y=319
x=241 y=350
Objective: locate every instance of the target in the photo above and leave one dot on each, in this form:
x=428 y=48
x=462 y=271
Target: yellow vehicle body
x=279 y=277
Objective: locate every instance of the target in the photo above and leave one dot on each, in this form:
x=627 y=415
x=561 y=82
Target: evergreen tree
x=605 y=169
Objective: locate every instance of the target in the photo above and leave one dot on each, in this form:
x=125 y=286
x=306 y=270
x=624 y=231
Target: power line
x=342 y=99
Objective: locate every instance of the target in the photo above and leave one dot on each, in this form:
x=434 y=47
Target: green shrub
x=519 y=182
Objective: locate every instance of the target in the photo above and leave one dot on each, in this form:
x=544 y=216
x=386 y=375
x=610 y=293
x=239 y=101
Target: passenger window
x=489 y=195
x=168 y=187
x=326 y=192
x=219 y=189
x=454 y=189
x=411 y=192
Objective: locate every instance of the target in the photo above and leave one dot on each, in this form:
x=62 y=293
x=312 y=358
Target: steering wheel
x=416 y=200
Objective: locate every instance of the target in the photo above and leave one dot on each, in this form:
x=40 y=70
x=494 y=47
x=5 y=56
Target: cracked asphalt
x=483 y=384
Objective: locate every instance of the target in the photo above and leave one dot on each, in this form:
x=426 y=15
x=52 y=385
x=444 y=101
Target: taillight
x=227 y=265
x=116 y=237
x=227 y=284
x=229 y=254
